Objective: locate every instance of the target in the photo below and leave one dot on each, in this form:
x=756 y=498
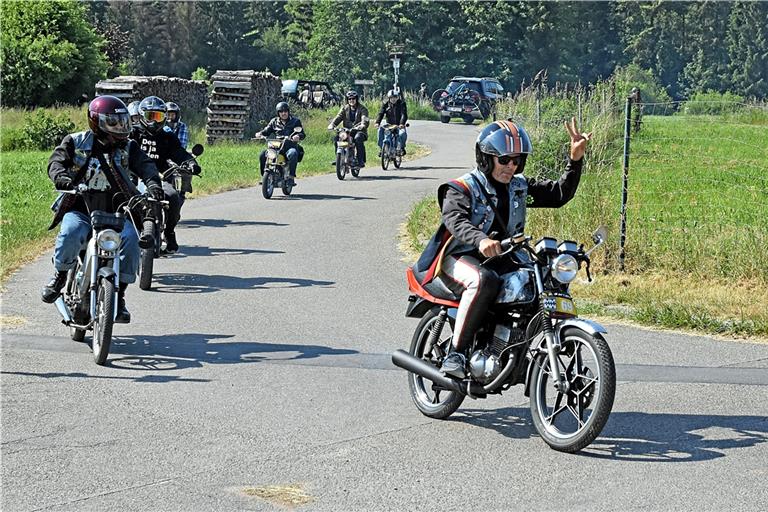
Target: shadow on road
x=202 y=283
x=428 y=167
x=223 y=223
x=78 y=375
x=643 y=437
x=323 y=197
x=192 y=350
x=390 y=177
x=201 y=250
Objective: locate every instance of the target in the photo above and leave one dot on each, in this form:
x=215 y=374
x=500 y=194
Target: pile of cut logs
x=240 y=103
x=191 y=95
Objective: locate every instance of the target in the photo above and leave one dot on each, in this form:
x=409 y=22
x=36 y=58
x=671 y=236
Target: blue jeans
x=402 y=135
x=292 y=155
x=75 y=232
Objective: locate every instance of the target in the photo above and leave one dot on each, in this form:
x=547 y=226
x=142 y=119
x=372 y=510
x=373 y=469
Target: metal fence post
x=625 y=187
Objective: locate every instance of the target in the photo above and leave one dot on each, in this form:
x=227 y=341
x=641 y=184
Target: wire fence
x=682 y=186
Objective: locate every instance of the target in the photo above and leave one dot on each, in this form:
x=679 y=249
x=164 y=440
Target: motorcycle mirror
x=298 y=129
x=600 y=235
x=197 y=149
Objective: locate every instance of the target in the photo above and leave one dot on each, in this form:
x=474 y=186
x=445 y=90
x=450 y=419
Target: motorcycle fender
x=588 y=326
x=106 y=272
x=417 y=307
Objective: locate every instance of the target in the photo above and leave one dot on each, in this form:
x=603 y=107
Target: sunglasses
x=505 y=159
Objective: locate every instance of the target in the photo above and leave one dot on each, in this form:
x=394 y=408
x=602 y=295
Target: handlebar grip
x=506 y=244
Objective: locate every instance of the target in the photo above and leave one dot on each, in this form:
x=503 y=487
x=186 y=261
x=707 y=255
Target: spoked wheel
x=75 y=333
x=287 y=189
x=355 y=171
x=341 y=167
x=435 y=403
x=146 y=265
x=572 y=420
x=398 y=160
x=104 y=321
x=385 y=155
x=267 y=185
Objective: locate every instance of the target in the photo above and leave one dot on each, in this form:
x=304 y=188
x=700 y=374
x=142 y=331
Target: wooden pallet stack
x=191 y=95
x=238 y=103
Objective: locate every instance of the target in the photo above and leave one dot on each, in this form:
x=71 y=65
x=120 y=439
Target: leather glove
x=196 y=169
x=63 y=182
x=156 y=192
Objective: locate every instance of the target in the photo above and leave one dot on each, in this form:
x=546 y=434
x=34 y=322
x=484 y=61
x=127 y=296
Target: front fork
x=95 y=282
x=553 y=342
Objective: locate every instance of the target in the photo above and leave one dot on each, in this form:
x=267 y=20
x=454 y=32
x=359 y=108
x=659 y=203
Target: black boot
x=123 y=315
x=171 y=246
x=454 y=364
x=52 y=290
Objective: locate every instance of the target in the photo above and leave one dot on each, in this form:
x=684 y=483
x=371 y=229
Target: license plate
x=559 y=305
x=454 y=109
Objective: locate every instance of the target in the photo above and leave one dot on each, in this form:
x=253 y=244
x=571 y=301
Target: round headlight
x=343 y=136
x=564 y=268
x=108 y=240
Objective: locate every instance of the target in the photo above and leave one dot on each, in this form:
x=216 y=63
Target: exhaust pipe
x=406 y=361
x=63 y=310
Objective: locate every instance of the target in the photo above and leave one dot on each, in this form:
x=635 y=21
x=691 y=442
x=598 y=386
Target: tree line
x=56 y=50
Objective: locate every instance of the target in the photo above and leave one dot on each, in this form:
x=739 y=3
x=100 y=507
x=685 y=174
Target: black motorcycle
x=531 y=336
x=89 y=300
x=181 y=176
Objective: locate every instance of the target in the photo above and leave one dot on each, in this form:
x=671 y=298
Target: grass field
x=697 y=230
x=26 y=192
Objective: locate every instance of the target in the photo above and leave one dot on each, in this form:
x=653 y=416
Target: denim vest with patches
x=481 y=213
x=84 y=146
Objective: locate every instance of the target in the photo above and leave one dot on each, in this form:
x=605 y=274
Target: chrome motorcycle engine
x=485 y=363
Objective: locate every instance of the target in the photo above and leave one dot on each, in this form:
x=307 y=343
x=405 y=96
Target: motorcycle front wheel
x=104 y=321
x=341 y=167
x=146 y=266
x=435 y=403
x=385 y=156
x=571 y=420
x=267 y=185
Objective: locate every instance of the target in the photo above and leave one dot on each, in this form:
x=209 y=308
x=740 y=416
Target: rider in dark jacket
x=396 y=112
x=103 y=159
x=162 y=146
x=284 y=125
x=353 y=115
x=491 y=198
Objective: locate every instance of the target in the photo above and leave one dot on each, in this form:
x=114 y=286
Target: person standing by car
x=353 y=116
x=284 y=125
x=396 y=112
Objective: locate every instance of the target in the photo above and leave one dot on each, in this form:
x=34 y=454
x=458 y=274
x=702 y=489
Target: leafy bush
x=628 y=77
x=713 y=103
x=12 y=139
x=44 y=131
x=200 y=74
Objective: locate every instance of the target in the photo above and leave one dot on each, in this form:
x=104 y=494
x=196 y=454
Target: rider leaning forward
x=491 y=198
x=103 y=159
x=284 y=125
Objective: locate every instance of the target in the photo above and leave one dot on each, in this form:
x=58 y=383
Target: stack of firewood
x=191 y=95
x=241 y=101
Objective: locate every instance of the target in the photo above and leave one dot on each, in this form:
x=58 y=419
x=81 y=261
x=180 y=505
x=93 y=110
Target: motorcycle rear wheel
x=398 y=160
x=267 y=185
x=385 y=156
x=591 y=375
x=146 y=266
x=287 y=189
x=104 y=321
x=341 y=167
x=438 y=404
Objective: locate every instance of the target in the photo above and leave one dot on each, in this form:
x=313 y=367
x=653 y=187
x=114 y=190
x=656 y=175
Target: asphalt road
x=262 y=358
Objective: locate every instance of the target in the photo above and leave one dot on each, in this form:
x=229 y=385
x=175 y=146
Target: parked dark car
x=469 y=98
x=310 y=93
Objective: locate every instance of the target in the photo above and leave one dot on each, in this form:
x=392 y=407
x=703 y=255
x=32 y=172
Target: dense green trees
x=688 y=47
x=48 y=53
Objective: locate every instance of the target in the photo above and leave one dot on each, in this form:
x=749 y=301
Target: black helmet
x=153 y=111
x=282 y=107
x=501 y=138
x=352 y=94
x=173 y=107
